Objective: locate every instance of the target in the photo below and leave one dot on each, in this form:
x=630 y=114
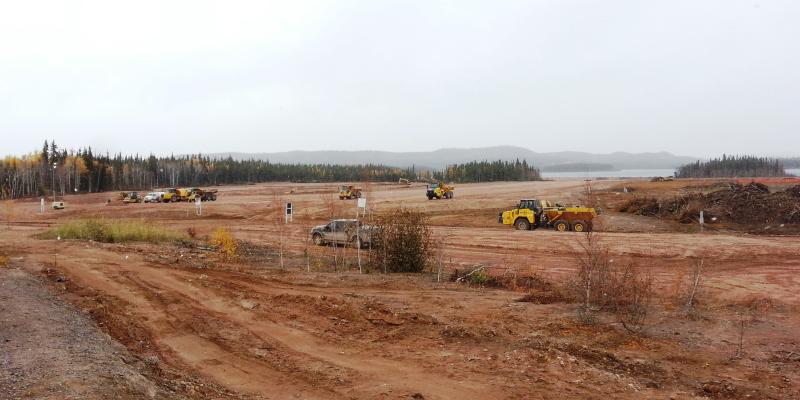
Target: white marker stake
x=362 y=204
x=41 y=206
x=198 y=205
x=702 y=221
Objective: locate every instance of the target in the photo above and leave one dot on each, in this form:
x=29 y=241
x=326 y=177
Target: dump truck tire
x=317 y=239
x=579 y=226
x=561 y=226
x=522 y=224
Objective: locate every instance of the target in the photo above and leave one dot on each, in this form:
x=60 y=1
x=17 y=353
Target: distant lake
x=622 y=173
x=627 y=173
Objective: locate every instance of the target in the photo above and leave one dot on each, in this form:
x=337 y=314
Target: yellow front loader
x=439 y=190
x=349 y=192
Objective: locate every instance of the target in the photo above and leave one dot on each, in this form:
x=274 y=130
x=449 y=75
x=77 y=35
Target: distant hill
x=440 y=158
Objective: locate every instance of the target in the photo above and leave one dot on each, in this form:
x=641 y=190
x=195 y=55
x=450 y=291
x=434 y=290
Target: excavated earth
x=751 y=207
x=82 y=319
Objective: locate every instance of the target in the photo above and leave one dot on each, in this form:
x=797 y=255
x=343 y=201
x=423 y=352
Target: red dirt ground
x=250 y=329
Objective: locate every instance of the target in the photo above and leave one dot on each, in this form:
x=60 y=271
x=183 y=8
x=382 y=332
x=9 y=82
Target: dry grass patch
x=113 y=231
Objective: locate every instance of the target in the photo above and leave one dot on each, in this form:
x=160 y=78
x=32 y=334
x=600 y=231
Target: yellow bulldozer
x=130 y=197
x=349 y=192
x=533 y=213
x=439 y=190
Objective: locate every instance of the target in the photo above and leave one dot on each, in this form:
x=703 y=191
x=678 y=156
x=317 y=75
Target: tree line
x=732 y=167
x=56 y=169
x=488 y=171
x=84 y=171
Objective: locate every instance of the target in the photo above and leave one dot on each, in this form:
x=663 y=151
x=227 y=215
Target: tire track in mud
x=161 y=299
x=225 y=350
x=185 y=340
x=370 y=368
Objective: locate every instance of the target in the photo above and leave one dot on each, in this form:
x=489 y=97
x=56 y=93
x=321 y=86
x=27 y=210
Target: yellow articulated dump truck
x=204 y=195
x=533 y=213
x=349 y=192
x=182 y=194
x=439 y=190
x=170 y=195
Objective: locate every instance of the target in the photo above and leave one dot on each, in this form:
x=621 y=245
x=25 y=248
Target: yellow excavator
x=533 y=213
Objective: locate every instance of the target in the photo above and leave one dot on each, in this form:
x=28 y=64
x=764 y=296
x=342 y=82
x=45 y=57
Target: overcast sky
x=691 y=77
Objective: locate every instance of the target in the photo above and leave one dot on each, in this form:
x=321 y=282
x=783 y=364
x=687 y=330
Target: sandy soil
x=251 y=329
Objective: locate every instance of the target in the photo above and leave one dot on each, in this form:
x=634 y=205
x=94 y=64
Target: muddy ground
x=194 y=325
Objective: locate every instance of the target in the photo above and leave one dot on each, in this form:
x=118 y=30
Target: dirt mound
x=743 y=205
x=794 y=190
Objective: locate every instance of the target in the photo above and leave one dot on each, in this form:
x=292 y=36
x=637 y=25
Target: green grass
x=113 y=231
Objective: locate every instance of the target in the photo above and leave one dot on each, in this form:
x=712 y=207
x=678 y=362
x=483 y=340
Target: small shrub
x=404 y=241
x=192 y=232
x=479 y=278
x=226 y=244
x=625 y=290
x=633 y=297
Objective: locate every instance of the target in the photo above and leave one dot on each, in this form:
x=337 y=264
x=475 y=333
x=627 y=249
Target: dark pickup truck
x=341 y=231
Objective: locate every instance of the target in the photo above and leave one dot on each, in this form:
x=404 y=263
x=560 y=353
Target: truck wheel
x=317 y=239
x=430 y=197
x=522 y=224
x=579 y=226
x=561 y=226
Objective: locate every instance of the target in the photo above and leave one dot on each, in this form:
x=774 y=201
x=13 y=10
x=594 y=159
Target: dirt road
x=49 y=350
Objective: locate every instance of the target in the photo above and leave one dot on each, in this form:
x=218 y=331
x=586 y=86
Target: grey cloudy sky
x=692 y=77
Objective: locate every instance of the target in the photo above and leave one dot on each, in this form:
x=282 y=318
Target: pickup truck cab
x=153 y=197
x=341 y=231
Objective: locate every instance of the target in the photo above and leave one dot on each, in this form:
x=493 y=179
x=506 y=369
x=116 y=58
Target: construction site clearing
x=284 y=318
